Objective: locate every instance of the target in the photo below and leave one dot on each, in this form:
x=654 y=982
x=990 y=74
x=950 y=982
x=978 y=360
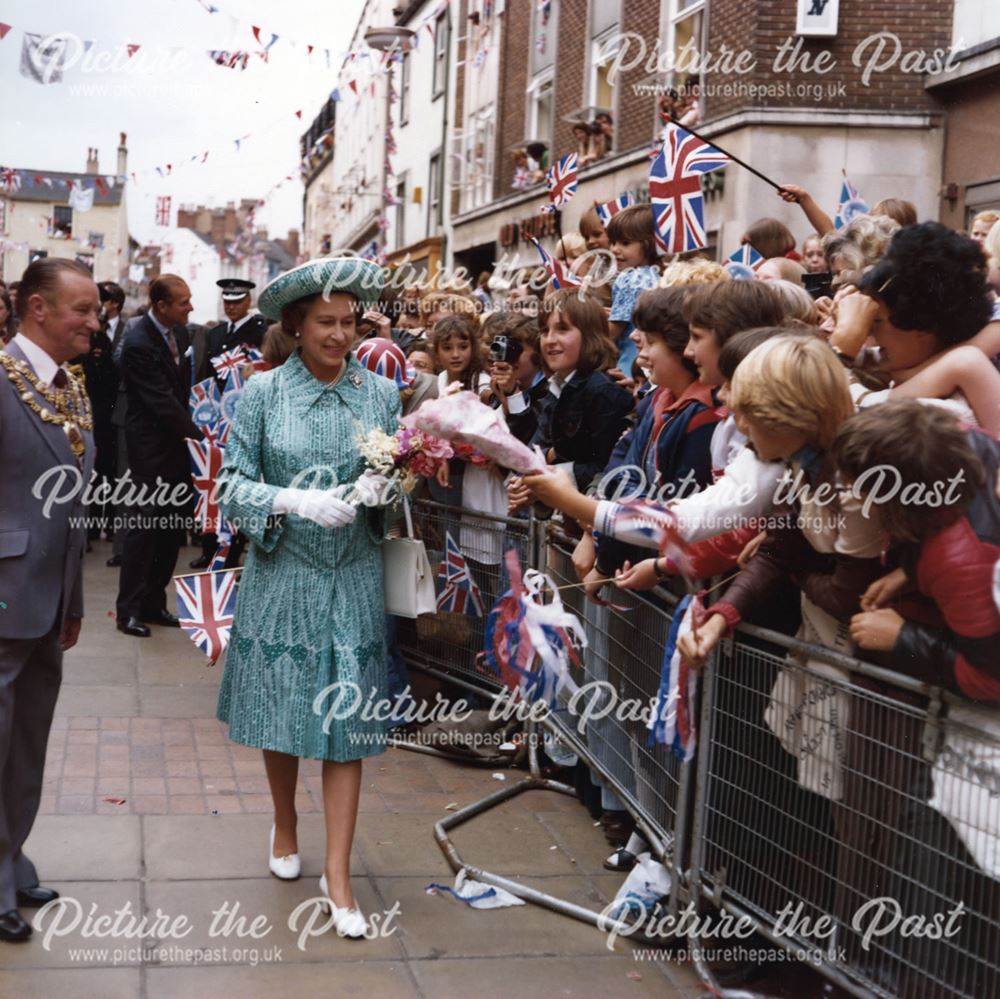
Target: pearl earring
x=298 y=336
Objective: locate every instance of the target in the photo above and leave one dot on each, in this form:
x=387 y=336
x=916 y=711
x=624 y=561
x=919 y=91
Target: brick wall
x=513 y=84
x=570 y=67
x=763 y=26
x=636 y=115
x=636 y=120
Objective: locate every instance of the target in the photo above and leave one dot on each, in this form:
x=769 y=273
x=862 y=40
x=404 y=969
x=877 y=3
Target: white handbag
x=409 y=580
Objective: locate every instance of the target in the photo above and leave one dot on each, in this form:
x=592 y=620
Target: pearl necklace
x=70 y=405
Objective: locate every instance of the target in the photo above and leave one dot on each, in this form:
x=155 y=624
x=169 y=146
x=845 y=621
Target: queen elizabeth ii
x=309 y=616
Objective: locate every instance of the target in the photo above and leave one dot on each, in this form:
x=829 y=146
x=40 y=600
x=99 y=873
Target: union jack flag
x=742 y=265
x=255 y=358
x=206 y=462
x=851 y=204
x=204 y=404
x=163 y=208
x=560 y=179
x=11 y=180
x=608 y=208
x=458 y=589
x=675 y=189
x=522 y=179
x=229 y=363
x=205 y=605
x=562 y=276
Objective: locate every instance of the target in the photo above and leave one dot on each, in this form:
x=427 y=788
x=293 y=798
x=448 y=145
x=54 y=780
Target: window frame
x=682 y=10
x=439 y=72
x=401 y=193
x=435 y=192
x=404 y=89
x=546 y=77
x=62 y=230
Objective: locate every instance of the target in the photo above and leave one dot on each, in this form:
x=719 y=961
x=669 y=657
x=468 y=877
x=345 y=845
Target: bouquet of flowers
x=396 y=463
x=468 y=453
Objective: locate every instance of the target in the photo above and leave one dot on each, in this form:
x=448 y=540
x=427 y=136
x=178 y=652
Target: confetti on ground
x=499 y=777
x=634 y=976
x=116 y=801
x=451 y=806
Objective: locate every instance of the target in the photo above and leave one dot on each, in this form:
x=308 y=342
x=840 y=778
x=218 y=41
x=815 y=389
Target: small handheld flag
x=675 y=189
x=742 y=265
x=851 y=203
x=560 y=179
x=229 y=363
x=206 y=603
x=206 y=463
x=204 y=404
x=459 y=590
x=605 y=210
x=562 y=276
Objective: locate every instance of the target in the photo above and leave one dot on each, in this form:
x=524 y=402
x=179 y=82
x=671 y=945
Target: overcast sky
x=176 y=108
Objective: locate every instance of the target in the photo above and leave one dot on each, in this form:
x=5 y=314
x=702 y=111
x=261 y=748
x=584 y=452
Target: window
x=62 y=222
x=404 y=89
x=544 y=34
x=540 y=95
x=401 y=212
x=435 y=183
x=473 y=159
x=686 y=40
x=440 y=75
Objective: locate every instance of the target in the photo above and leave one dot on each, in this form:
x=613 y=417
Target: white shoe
x=288 y=868
x=347 y=922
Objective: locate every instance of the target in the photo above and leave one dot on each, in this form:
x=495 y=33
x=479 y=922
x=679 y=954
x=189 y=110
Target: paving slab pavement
x=149 y=813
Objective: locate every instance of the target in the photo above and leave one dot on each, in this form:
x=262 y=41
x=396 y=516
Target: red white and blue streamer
x=673 y=722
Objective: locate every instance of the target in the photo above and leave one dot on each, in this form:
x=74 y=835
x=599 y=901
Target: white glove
x=318 y=505
x=371 y=489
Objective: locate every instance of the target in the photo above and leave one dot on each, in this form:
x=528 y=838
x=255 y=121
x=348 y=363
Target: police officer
x=242 y=326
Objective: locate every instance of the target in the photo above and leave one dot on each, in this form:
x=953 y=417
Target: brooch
x=355 y=379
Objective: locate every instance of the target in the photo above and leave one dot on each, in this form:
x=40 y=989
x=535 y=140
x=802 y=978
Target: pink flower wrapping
x=463 y=418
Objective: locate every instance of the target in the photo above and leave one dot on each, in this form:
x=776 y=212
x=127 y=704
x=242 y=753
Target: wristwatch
x=660 y=574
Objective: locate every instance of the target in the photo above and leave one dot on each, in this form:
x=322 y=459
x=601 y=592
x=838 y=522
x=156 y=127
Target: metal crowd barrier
x=853 y=816
x=449 y=644
x=845 y=811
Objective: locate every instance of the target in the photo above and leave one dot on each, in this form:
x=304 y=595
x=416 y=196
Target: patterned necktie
x=172 y=344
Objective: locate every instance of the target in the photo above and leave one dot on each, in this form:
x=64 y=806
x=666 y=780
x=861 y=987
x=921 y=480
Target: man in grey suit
x=47 y=455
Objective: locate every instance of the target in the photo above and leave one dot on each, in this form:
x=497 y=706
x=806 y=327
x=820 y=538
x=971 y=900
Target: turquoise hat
x=354 y=275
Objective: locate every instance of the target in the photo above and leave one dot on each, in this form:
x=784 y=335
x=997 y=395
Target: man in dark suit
x=102 y=388
x=156 y=369
x=45 y=444
x=242 y=326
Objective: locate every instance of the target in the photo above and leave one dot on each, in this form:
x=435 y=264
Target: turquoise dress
x=309 y=628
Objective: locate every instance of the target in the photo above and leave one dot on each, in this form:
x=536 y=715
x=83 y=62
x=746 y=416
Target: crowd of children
x=750 y=415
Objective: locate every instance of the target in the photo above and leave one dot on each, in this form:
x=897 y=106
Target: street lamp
x=391 y=39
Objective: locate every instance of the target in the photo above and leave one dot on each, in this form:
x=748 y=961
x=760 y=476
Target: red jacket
x=955 y=571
